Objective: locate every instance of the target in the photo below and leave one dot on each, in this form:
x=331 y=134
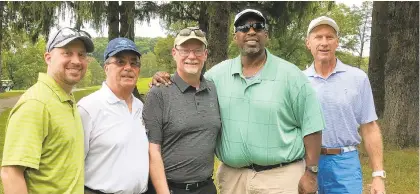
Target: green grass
x=143 y=85
x=10 y=94
x=402 y=169
x=3 y=119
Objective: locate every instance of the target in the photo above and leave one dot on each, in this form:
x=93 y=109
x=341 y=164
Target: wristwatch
x=313 y=169
x=380 y=173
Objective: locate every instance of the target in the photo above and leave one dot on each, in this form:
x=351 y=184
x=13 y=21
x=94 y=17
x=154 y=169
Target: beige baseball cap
x=190 y=33
x=322 y=20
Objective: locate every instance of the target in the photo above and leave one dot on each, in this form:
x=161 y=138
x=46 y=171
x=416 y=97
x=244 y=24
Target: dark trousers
x=207 y=189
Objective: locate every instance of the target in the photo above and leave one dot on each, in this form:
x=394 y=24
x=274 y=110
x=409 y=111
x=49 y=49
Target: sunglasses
x=187 y=32
x=246 y=27
x=65 y=33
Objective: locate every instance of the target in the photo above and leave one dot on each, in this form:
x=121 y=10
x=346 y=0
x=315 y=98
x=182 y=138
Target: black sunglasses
x=246 y=27
x=64 y=33
x=187 y=32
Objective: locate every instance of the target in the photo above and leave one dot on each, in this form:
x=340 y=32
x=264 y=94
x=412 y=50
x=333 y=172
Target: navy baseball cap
x=117 y=45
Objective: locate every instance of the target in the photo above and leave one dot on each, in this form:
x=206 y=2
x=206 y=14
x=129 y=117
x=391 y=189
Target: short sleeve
x=25 y=133
x=307 y=110
x=368 y=112
x=153 y=116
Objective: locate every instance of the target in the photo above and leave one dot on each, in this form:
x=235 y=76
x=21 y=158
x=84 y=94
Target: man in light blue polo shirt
x=347 y=104
x=271 y=117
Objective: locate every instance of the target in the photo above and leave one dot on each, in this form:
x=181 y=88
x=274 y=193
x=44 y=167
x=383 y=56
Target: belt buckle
x=186 y=188
x=190 y=184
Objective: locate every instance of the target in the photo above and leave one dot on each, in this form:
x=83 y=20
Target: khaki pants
x=283 y=180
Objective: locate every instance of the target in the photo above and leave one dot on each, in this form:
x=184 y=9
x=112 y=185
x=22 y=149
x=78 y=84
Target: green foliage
x=148 y=65
x=163 y=52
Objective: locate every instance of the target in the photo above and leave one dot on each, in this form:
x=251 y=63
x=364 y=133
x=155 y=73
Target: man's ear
x=308 y=46
x=47 y=58
x=173 y=52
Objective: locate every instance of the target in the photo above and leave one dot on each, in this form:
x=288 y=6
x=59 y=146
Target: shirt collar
x=268 y=72
x=339 y=67
x=52 y=84
x=183 y=86
x=109 y=95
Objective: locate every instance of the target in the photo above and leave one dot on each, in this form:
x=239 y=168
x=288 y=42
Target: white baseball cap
x=322 y=20
x=248 y=12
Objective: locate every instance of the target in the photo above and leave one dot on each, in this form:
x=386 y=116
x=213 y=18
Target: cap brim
x=87 y=42
x=179 y=42
x=123 y=49
x=324 y=22
x=248 y=14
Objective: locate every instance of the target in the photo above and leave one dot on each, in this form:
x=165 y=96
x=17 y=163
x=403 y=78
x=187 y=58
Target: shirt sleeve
x=307 y=110
x=26 y=130
x=87 y=127
x=368 y=112
x=153 y=116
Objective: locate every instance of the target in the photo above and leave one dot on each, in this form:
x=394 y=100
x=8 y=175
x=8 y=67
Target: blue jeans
x=340 y=174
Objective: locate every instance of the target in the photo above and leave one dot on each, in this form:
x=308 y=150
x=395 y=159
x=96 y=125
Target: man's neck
x=121 y=93
x=67 y=88
x=325 y=68
x=191 y=79
x=252 y=61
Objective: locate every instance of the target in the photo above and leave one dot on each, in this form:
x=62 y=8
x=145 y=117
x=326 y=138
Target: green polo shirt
x=44 y=133
x=264 y=120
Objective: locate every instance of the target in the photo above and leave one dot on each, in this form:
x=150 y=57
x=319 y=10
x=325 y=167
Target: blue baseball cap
x=117 y=45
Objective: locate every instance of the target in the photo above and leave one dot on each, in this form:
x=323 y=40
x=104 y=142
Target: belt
x=259 y=168
x=95 y=191
x=334 y=151
x=190 y=186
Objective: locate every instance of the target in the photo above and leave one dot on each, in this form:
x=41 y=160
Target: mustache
x=127 y=73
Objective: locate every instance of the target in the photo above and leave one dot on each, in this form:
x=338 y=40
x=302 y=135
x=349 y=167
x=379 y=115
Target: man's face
x=190 y=57
x=322 y=42
x=251 y=42
x=122 y=70
x=67 y=64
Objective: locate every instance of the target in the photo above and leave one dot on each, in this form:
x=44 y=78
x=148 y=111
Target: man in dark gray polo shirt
x=183 y=122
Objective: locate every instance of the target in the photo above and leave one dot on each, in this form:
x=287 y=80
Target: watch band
x=380 y=173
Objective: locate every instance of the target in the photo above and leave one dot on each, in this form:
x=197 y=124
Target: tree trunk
x=378 y=54
x=113 y=20
x=401 y=111
x=1 y=41
x=219 y=19
x=127 y=19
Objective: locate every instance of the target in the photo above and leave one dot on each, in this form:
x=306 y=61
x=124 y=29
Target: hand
x=378 y=186
x=160 y=78
x=308 y=183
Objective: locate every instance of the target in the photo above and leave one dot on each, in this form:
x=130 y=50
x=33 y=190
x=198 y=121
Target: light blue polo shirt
x=347 y=102
x=264 y=119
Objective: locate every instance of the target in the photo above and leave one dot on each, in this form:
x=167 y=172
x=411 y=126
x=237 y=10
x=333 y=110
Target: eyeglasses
x=246 y=27
x=122 y=62
x=65 y=33
x=186 y=52
x=187 y=32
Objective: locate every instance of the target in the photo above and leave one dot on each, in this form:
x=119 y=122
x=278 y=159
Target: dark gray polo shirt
x=186 y=123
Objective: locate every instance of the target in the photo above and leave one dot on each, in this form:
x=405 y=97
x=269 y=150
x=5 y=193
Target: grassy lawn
x=401 y=165
x=10 y=94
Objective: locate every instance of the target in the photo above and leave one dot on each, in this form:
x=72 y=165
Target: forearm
x=157 y=173
x=372 y=140
x=312 y=148
x=13 y=180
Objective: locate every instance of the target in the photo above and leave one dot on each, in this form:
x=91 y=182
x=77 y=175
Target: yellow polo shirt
x=45 y=134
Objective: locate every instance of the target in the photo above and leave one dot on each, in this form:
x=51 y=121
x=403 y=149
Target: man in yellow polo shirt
x=43 y=150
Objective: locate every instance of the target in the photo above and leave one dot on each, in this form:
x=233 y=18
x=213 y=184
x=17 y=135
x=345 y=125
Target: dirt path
x=8 y=103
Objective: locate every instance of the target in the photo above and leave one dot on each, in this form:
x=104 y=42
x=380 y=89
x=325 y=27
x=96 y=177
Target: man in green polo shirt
x=43 y=150
x=271 y=117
